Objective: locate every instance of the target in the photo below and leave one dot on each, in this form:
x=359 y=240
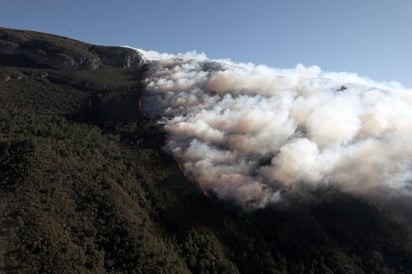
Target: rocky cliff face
x=118 y=56
x=33 y=49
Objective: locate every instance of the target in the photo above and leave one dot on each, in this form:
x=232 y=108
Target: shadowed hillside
x=85 y=186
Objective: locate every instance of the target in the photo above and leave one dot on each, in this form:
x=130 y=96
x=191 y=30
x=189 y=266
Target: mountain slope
x=85 y=186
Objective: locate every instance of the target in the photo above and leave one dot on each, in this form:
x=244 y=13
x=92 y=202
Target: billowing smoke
x=250 y=133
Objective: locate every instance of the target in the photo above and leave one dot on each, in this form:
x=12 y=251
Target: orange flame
x=206 y=194
x=141 y=108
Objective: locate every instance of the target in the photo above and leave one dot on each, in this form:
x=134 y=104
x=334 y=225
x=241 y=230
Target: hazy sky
x=370 y=37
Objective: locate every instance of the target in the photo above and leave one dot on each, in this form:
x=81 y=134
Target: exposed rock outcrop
x=37 y=50
x=118 y=56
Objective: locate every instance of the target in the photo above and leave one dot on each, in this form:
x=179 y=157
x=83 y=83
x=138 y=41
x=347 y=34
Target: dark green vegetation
x=86 y=188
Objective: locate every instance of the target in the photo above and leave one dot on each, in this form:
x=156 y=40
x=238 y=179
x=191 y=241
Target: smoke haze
x=250 y=133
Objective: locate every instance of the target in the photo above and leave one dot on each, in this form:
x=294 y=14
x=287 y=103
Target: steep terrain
x=85 y=186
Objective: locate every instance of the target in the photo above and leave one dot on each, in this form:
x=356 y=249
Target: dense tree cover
x=85 y=187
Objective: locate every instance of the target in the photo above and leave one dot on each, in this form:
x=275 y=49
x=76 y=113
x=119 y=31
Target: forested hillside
x=85 y=186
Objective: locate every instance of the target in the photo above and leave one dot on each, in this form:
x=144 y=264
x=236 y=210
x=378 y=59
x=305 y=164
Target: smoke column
x=250 y=133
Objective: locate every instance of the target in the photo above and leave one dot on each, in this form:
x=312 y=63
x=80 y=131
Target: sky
x=370 y=37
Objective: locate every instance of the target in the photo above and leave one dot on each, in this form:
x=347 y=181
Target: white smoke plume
x=249 y=133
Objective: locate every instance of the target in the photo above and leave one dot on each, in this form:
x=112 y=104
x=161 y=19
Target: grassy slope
x=86 y=188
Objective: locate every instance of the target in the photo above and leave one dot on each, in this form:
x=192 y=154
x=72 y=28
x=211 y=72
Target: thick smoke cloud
x=249 y=132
